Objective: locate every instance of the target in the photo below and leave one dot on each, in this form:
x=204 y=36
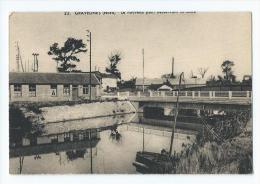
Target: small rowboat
x=153 y=163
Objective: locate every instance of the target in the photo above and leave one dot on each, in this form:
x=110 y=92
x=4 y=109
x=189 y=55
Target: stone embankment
x=79 y=111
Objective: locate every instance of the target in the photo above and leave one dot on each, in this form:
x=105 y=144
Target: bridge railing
x=189 y=94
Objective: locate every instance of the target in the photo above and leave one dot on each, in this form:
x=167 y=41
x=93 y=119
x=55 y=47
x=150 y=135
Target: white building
x=52 y=86
x=108 y=82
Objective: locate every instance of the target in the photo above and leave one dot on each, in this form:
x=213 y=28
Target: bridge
x=217 y=100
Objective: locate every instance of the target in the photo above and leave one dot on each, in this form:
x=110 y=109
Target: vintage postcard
x=130 y=93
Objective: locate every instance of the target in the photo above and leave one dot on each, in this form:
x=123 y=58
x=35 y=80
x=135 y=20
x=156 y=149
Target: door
x=75 y=94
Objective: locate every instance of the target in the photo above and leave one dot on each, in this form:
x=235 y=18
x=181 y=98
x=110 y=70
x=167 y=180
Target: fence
x=188 y=94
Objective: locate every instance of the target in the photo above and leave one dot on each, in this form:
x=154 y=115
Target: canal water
x=98 y=145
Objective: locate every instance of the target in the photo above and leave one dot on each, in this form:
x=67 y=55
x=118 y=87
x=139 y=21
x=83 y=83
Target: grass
x=233 y=154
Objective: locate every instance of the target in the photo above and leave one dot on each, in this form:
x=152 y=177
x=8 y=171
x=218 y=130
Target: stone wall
x=83 y=111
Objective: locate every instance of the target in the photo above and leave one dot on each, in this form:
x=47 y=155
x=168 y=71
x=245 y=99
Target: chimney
x=172 y=66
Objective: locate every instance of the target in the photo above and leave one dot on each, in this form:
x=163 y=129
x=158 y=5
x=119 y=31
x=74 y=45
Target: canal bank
x=59 y=113
x=55 y=142
x=231 y=155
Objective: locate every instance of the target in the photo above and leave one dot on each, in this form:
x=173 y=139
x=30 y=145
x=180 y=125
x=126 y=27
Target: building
x=147 y=83
x=165 y=87
x=52 y=86
x=108 y=81
x=186 y=82
x=163 y=84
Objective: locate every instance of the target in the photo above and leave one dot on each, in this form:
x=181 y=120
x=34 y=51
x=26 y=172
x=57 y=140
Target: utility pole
x=35 y=62
x=28 y=66
x=19 y=58
x=25 y=66
x=143 y=69
x=89 y=36
x=176 y=113
x=143 y=138
x=172 y=66
x=91 y=161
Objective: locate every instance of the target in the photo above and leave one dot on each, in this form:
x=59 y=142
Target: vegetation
x=20 y=126
x=202 y=72
x=65 y=56
x=168 y=76
x=114 y=59
x=209 y=154
x=227 y=71
x=228 y=75
x=75 y=154
x=130 y=84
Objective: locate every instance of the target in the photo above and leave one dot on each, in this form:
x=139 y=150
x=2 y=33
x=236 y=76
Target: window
x=85 y=89
x=66 y=90
x=32 y=90
x=17 y=90
x=53 y=90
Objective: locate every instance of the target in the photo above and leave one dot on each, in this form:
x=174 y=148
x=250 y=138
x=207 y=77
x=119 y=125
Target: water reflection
x=115 y=135
x=101 y=145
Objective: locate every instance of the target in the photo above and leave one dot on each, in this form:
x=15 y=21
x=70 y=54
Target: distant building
x=52 y=86
x=108 y=81
x=165 y=87
x=168 y=84
x=155 y=82
x=187 y=82
x=247 y=79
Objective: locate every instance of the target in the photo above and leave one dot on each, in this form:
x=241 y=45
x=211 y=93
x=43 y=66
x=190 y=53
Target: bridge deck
x=222 y=101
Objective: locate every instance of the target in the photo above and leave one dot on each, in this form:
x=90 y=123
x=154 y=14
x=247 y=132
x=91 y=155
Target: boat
x=153 y=163
x=158 y=163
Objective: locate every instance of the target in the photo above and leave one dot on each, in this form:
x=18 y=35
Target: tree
x=166 y=76
x=202 y=72
x=114 y=59
x=192 y=75
x=211 y=80
x=227 y=71
x=66 y=55
x=129 y=84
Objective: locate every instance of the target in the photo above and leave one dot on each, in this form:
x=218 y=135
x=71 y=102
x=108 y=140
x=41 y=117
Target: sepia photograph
x=130 y=93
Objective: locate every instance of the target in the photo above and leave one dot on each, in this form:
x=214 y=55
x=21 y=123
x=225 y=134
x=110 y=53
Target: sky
x=194 y=40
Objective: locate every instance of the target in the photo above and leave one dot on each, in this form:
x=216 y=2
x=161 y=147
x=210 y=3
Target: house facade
x=52 y=86
x=109 y=82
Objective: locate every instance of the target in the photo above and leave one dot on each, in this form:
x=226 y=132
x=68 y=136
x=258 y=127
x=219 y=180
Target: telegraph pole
x=89 y=36
x=91 y=161
x=28 y=66
x=143 y=69
x=172 y=66
x=143 y=138
x=19 y=58
x=35 y=62
x=176 y=113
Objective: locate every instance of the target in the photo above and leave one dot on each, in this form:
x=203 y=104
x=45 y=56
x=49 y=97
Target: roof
x=172 y=81
x=51 y=78
x=147 y=81
x=108 y=75
x=100 y=75
x=187 y=81
x=165 y=87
